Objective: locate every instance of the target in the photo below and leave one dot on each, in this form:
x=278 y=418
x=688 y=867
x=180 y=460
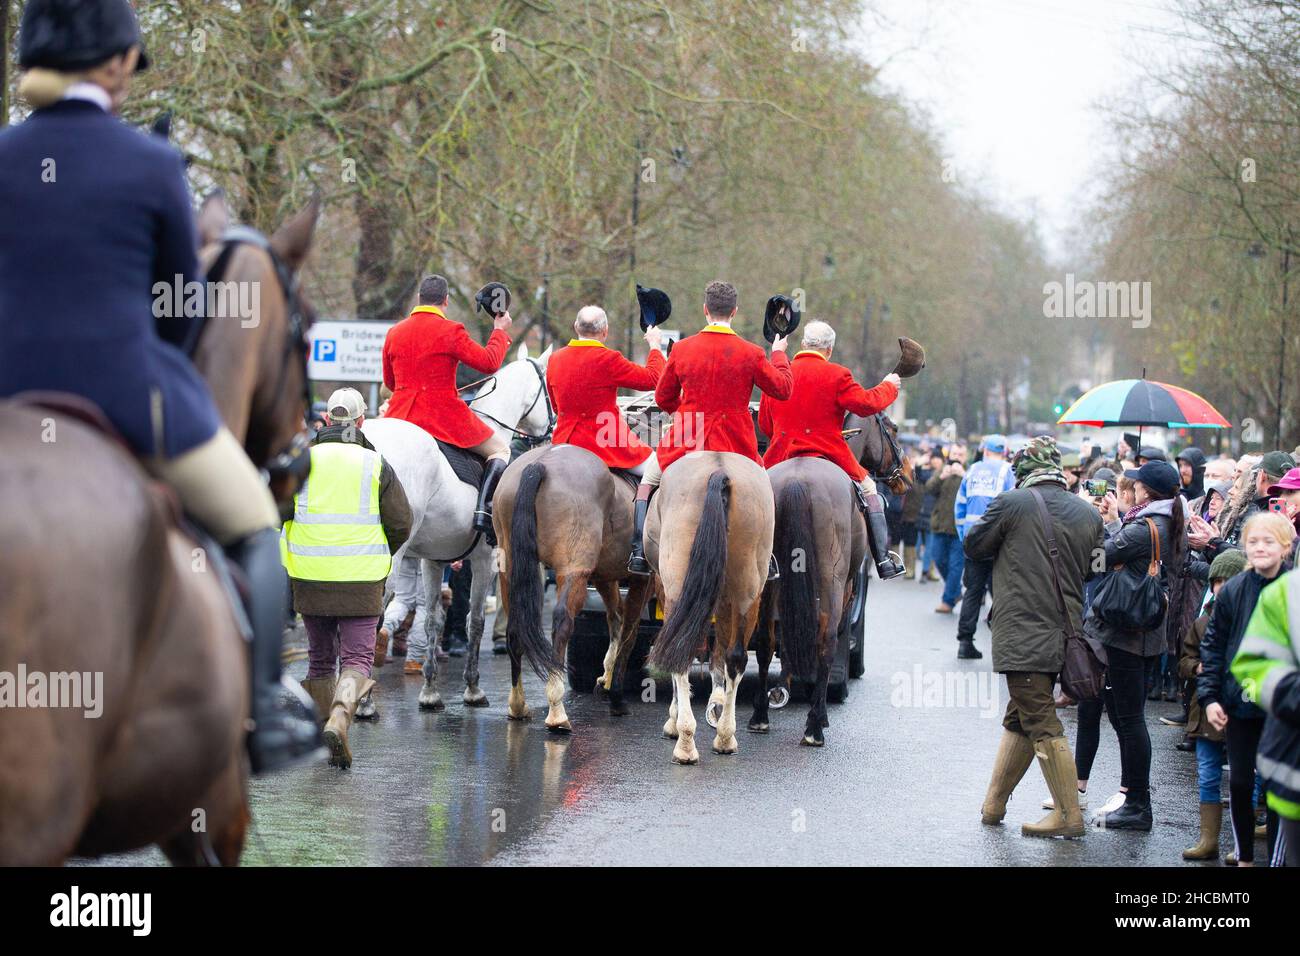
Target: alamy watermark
x=77 y=690
x=222 y=300
x=924 y=689
x=1085 y=299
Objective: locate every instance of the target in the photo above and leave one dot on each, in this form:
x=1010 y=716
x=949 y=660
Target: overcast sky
x=1013 y=85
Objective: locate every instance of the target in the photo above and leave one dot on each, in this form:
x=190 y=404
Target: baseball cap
x=1290 y=482
x=346 y=405
x=1160 y=476
x=1276 y=463
x=995 y=443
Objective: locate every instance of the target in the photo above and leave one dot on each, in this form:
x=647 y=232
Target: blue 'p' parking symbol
x=323 y=350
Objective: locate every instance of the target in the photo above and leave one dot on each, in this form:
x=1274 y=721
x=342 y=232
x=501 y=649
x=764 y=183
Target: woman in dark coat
x=96 y=221
x=1130 y=652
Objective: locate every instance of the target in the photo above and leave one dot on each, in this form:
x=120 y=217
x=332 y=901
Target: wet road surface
x=900 y=780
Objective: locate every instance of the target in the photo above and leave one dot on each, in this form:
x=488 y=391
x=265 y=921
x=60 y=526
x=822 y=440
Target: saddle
x=467 y=465
x=75 y=406
x=86 y=412
x=629 y=477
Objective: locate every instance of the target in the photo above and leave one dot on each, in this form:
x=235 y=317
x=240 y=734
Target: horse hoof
x=688 y=759
x=726 y=749
x=436 y=706
x=599 y=690
x=561 y=728
x=619 y=710
x=475 y=700
x=758 y=727
x=524 y=716
x=810 y=741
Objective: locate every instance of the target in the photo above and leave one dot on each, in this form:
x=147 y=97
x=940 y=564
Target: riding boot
x=483 y=510
x=878 y=534
x=279 y=736
x=637 y=564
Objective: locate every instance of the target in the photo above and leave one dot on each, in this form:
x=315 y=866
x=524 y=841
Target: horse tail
x=675 y=647
x=524 y=624
x=795 y=544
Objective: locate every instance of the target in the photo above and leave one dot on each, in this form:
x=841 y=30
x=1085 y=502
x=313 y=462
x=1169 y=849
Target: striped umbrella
x=1141 y=402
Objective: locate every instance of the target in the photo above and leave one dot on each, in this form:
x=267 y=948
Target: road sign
x=347 y=351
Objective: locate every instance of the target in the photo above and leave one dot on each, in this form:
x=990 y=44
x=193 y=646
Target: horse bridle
x=293 y=460
x=543 y=393
x=888 y=437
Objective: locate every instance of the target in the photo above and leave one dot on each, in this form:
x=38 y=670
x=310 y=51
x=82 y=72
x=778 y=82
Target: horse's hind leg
x=517 y=706
x=434 y=616
x=764 y=647
x=570 y=594
x=481 y=565
x=817 y=717
x=217 y=828
x=683 y=720
x=733 y=638
x=630 y=614
x=670 y=725
x=613 y=601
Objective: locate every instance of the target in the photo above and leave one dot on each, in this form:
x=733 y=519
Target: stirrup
x=893 y=560
x=638 y=565
x=773 y=569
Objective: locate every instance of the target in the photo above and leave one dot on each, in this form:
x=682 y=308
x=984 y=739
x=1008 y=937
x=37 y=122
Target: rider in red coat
x=706 y=386
x=811 y=422
x=584 y=378
x=421 y=355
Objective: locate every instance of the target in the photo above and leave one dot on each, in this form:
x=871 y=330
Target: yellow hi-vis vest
x=335 y=533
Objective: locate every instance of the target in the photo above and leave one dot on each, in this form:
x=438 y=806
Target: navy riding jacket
x=93 y=213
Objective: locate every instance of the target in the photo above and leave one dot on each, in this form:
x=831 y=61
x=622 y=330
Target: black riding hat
x=780 y=318
x=655 y=306
x=70 y=35
x=493 y=298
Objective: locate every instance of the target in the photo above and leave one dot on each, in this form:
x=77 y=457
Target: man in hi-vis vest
x=348 y=520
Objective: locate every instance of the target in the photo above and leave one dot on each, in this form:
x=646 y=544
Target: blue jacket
x=92 y=213
x=983 y=482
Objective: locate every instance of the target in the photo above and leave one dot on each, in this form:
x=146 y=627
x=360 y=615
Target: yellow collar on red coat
x=431 y=309
x=725 y=329
x=587 y=343
x=811 y=352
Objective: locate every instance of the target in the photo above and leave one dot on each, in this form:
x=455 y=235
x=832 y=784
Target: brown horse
x=99 y=589
x=561 y=506
x=818 y=527
x=709 y=537
x=820 y=542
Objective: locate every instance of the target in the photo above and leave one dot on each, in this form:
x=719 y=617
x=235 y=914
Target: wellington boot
x=1065 y=818
x=1207 y=848
x=321 y=692
x=352 y=686
x=1015 y=754
x=909 y=561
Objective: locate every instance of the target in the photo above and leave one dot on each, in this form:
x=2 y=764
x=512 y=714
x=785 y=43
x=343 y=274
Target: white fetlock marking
x=556 y=717
x=517 y=706
x=685 y=749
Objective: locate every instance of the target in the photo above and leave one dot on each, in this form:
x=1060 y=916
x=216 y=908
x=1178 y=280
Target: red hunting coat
x=584 y=379
x=811 y=420
x=421 y=354
x=707 y=385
